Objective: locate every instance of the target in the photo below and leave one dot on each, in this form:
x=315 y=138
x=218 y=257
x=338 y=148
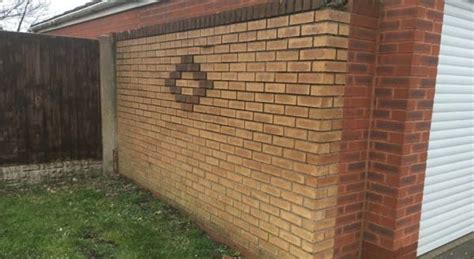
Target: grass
x=100 y=218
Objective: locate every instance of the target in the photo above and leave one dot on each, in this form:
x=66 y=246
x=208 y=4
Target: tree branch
x=23 y=15
x=20 y=12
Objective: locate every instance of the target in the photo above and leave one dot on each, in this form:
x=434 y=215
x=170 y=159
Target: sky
x=55 y=7
x=61 y=6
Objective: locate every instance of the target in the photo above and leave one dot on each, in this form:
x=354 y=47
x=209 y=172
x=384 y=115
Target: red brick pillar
x=358 y=92
x=406 y=67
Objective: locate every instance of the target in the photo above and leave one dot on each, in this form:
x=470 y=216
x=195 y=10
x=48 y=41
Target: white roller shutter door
x=448 y=198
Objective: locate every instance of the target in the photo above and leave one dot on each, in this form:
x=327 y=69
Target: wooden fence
x=49 y=99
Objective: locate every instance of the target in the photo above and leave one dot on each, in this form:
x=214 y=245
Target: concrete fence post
x=108 y=103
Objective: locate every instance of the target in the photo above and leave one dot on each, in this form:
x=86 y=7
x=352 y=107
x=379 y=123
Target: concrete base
x=48 y=172
x=462 y=248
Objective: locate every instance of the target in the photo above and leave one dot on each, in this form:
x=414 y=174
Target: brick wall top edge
x=245 y=14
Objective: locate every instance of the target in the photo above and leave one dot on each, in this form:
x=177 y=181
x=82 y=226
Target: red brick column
x=409 y=38
x=358 y=94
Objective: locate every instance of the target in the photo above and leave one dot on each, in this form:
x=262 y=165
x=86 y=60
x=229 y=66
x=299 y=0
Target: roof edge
x=90 y=11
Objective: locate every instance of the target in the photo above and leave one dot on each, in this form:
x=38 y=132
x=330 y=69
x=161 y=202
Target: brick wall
x=163 y=12
x=358 y=97
x=240 y=126
x=392 y=60
x=407 y=60
x=303 y=134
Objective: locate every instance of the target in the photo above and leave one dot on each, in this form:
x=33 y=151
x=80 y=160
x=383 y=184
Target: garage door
x=448 y=201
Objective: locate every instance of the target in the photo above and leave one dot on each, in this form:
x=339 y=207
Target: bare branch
x=21 y=12
x=23 y=15
x=12 y=10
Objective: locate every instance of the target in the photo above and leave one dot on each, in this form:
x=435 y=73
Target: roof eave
x=95 y=11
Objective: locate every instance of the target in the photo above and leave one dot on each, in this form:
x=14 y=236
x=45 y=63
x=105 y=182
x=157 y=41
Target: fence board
x=49 y=99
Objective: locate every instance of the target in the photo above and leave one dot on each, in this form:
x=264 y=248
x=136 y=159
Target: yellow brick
x=325 y=114
x=229 y=58
x=263 y=138
x=343 y=30
x=310 y=101
x=291 y=238
x=279 y=242
x=242 y=76
x=283 y=142
x=258 y=232
x=324 y=245
x=299 y=66
x=342 y=55
x=320 y=28
x=238 y=27
x=230 y=38
x=265 y=98
x=287 y=32
x=282 y=184
x=303 y=233
x=267 y=34
x=246 y=57
x=327 y=90
x=340 y=79
x=245 y=96
x=308 y=124
x=296 y=111
x=296 y=133
x=256 y=46
x=278 y=22
x=254 y=107
x=257 y=25
x=253 y=126
x=273 y=129
x=302 y=212
x=238 y=47
x=266 y=56
x=291 y=217
x=332 y=15
x=321 y=204
x=275 y=88
x=284 y=120
x=285 y=99
x=316 y=78
x=331 y=41
x=278 y=44
x=254 y=87
x=247 y=36
x=328 y=66
x=260 y=157
x=298 y=89
x=274 y=108
x=276 y=66
x=286 y=77
x=272 y=150
x=265 y=77
x=294 y=155
x=300 y=253
x=300 y=18
x=238 y=67
x=298 y=43
x=288 y=55
x=245 y=115
x=256 y=67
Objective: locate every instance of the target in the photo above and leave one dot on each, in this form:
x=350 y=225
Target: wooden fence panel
x=49 y=99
